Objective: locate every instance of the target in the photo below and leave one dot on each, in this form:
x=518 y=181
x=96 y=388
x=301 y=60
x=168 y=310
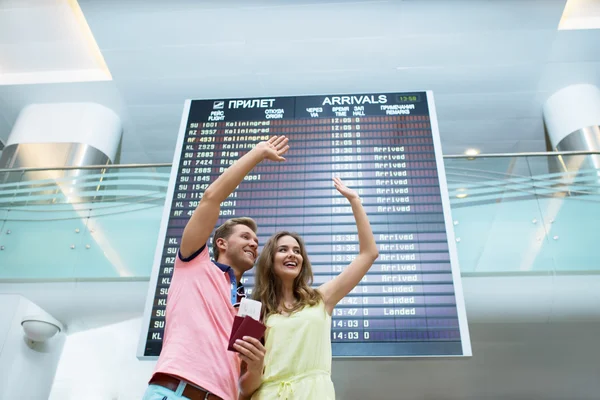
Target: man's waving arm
x=204 y=218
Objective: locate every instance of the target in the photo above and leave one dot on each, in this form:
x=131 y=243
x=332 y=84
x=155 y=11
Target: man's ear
x=221 y=244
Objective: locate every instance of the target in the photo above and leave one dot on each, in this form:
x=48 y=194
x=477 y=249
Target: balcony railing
x=532 y=213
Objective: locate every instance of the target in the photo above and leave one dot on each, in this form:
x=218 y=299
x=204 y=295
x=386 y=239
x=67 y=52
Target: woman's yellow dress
x=298 y=356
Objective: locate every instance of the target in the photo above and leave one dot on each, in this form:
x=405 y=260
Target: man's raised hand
x=274 y=148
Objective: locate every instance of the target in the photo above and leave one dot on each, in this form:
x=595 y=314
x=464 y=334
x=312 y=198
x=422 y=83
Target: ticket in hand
x=247 y=323
x=250 y=308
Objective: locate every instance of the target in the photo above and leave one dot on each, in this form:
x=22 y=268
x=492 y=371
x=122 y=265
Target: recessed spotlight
x=461 y=195
x=471 y=152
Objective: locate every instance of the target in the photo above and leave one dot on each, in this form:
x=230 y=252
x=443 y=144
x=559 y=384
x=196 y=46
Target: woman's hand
x=252 y=352
x=344 y=190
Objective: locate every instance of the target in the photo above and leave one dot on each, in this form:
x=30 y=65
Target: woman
x=298 y=318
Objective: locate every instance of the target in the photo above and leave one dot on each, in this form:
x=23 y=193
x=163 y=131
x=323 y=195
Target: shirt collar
x=237 y=289
x=223 y=267
x=226 y=268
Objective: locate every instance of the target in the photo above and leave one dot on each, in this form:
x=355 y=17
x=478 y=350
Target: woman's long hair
x=268 y=287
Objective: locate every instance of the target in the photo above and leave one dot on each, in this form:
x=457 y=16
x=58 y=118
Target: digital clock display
x=408 y=98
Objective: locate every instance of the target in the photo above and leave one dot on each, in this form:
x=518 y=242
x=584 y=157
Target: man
x=194 y=362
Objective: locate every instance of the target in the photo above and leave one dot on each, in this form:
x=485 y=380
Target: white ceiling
x=491 y=64
x=581 y=14
x=47 y=41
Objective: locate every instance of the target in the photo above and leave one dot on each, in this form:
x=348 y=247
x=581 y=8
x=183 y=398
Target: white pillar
x=571 y=109
x=572 y=118
x=63 y=134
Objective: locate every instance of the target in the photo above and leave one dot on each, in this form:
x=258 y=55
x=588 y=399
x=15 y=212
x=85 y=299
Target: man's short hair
x=225 y=230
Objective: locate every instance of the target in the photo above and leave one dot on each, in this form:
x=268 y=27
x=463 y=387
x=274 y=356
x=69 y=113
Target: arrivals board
x=385 y=146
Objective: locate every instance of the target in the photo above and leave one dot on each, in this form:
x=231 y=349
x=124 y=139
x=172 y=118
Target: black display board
x=384 y=145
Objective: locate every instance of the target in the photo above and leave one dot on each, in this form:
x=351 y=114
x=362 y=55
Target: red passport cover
x=245 y=326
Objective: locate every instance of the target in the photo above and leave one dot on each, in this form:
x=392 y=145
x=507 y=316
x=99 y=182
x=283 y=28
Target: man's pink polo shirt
x=198 y=323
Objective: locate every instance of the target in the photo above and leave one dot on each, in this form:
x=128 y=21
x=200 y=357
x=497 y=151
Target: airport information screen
x=384 y=145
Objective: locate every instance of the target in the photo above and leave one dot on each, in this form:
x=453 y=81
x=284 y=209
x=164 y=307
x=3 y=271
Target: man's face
x=241 y=247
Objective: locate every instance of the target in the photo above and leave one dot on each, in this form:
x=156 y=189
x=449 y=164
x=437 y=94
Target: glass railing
x=525 y=213
x=82 y=223
x=512 y=214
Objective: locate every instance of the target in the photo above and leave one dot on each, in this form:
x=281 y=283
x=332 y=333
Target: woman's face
x=287 y=262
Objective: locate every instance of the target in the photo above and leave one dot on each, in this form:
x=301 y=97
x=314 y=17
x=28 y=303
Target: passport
x=245 y=326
